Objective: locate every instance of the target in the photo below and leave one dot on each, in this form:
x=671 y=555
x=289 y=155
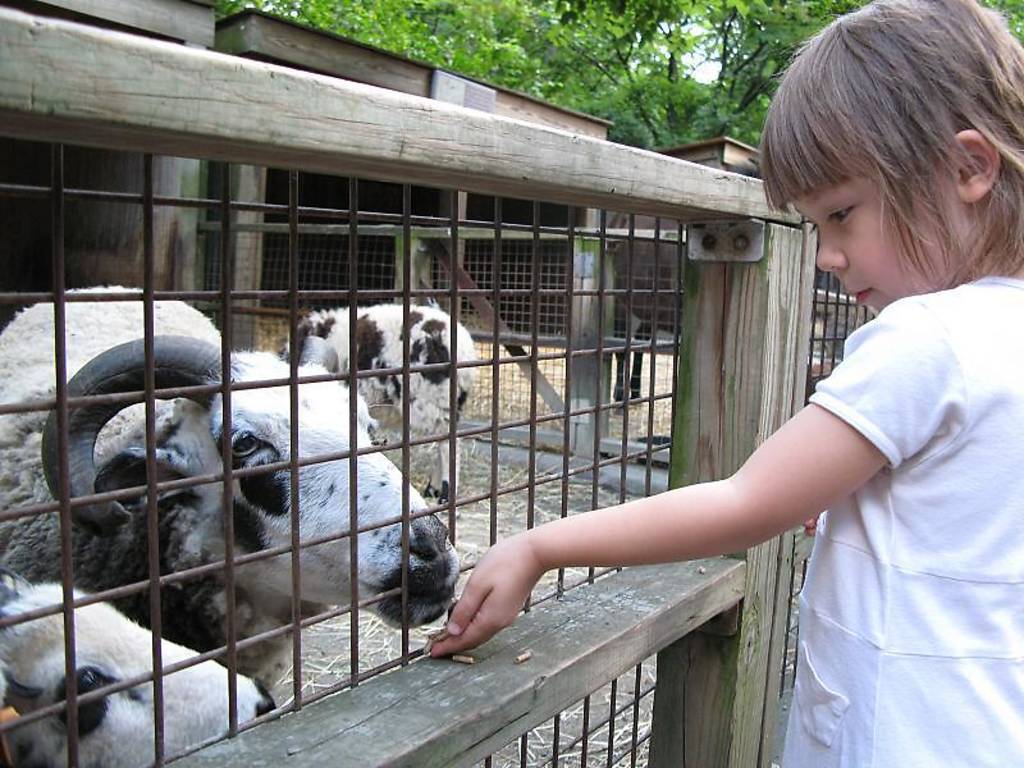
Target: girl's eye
x=244 y=445
x=840 y=215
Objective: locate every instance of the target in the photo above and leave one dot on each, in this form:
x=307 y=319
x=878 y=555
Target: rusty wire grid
x=836 y=316
x=598 y=450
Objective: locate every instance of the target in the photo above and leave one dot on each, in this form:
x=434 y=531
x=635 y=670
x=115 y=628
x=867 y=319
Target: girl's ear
x=977 y=175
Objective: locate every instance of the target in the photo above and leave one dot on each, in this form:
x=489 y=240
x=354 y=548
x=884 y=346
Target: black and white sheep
x=115 y=731
x=380 y=336
x=188 y=432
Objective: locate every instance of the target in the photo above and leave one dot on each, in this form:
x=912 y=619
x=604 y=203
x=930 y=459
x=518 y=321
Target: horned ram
x=106 y=452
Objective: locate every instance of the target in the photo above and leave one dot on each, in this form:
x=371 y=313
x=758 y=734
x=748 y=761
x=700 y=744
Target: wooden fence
x=743 y=365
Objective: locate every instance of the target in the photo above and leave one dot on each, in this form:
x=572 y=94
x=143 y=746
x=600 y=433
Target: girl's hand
x=497 y=590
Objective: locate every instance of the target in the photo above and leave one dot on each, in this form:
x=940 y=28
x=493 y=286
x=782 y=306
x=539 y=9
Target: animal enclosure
x=321 y=562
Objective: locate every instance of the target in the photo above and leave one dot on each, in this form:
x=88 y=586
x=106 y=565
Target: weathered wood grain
x=439 y=714
x=190 y=21
x=254 y=35
x=61 y=81
x=746 y=328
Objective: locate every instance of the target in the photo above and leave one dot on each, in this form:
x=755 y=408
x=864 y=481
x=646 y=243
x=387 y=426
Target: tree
x=687 y=70
x=663 y=71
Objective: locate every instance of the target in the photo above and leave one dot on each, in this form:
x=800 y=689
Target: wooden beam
x=259 y=36
x=439 y=714
x=746 y=327
x=794 y=336
x=254 y=35
x=67 y=82
x=190 y=21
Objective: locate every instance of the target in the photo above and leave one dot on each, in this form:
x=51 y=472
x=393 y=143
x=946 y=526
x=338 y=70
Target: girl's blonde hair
x=881 y=94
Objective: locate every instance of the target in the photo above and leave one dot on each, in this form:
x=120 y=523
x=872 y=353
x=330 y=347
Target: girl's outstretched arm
x=814 y=460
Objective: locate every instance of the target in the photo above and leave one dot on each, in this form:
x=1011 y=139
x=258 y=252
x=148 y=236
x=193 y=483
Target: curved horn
x=318 y=350
x=179 y=361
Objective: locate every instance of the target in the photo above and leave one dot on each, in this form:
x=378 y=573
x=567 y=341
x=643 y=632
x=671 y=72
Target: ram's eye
x=244 y=445
x=90 y=714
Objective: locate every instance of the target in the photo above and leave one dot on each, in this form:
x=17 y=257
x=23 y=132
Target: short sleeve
x=900 y=384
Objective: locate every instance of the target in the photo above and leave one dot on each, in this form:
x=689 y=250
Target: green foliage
x=664 y=71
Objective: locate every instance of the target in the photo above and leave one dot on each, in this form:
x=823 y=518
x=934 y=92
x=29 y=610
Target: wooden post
x=459 y=214
x=586 y=369
x=421 y=254
x=248 y=184
x=746 y=329
x=399 y=283
x=103 y=242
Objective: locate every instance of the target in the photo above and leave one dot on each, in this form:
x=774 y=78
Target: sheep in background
x=110 y=542
x=379 y=341
x=115 y=731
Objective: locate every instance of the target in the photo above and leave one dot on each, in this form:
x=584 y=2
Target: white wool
x=195 y=706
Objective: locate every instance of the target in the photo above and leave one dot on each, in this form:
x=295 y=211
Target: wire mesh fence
x=611 y=727
x=200 y=511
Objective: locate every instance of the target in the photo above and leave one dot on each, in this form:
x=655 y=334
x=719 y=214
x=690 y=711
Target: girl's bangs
x=811 y=137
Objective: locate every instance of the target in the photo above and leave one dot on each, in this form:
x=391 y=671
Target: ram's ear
x=127 y=469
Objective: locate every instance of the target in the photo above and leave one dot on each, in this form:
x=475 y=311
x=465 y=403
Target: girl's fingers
x=476 y=633
x=461 y=617
x=466 y=607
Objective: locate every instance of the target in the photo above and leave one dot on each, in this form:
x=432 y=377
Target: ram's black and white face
x=189 y=444
x=261 y=434
x=114 y=731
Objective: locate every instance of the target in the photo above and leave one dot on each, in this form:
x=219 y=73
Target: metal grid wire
x=651 y=375
x=517 y=274
x=339 y=645
x=836 y=316
x=611 y=727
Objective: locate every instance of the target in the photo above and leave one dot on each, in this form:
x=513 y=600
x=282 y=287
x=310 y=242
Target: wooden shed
x=721 y=152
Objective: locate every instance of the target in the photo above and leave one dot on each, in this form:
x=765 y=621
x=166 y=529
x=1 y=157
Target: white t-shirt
x=912 y=616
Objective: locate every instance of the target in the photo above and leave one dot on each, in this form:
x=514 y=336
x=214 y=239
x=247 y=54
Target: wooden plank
x=523 y=107
x=250 y=33
x=588 y=373
x=66 y=82
x=794 y=545
x=736 y=386
x=435 y=713
x=248 y=184
x=189 y=21
x=789 y=310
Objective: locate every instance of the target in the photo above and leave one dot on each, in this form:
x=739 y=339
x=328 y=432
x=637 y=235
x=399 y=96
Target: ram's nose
x=429 y=540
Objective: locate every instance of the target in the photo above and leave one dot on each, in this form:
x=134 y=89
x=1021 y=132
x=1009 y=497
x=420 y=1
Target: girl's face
x=855 y=243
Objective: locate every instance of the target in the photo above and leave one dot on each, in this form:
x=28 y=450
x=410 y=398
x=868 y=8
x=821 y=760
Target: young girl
x=899 y=132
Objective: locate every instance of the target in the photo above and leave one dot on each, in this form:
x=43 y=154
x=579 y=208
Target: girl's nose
x=830 y=258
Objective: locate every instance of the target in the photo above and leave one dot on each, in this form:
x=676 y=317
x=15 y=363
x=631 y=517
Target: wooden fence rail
x=442 y=714
x=61 y=81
